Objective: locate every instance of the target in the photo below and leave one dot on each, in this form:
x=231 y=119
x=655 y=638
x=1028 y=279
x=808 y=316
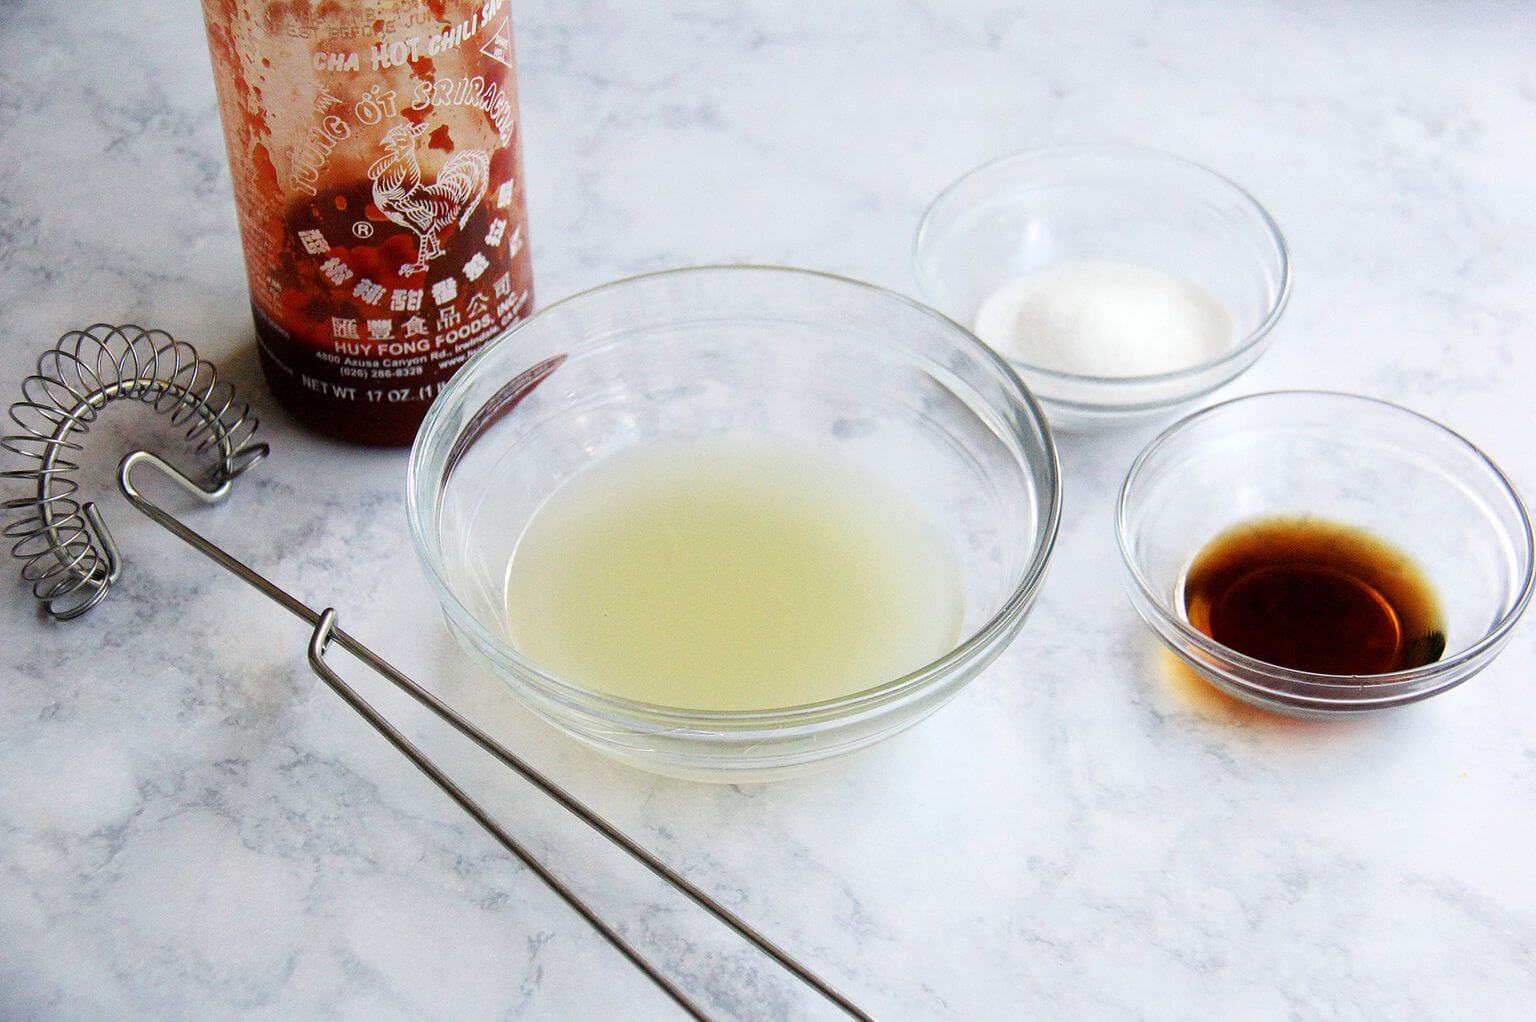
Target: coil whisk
x=67 y=554
x=69 y=559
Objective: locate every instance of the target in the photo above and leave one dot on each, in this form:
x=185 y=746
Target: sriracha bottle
x=377 y=166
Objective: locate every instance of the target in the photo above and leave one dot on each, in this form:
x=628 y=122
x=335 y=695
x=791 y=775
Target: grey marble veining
x=191 y=827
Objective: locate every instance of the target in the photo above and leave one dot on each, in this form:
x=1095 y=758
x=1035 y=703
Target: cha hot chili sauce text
x=377 y=171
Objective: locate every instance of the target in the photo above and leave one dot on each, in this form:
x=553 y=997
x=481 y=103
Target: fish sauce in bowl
x=1314 y=595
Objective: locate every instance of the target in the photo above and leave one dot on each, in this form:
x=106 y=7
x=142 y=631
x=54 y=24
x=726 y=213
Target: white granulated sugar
x=1105 y=319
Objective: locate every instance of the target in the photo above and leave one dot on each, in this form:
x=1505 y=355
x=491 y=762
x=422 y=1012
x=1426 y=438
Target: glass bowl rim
x=1017 y=602
x=1337 y=684
x=1233 y=355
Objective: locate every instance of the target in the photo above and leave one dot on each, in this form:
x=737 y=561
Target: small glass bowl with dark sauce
x=1318 y=553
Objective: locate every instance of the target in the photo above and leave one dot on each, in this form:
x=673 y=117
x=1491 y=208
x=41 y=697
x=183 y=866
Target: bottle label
x=377 y=169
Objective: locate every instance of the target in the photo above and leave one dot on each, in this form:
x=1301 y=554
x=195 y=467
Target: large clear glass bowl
x=865 y=373
x=1355 y=460
x=1029 y=211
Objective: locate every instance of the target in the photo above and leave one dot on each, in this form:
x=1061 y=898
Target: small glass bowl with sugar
x=1121 y=283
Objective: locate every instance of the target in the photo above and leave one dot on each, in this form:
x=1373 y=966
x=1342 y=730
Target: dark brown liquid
x=1314 y=595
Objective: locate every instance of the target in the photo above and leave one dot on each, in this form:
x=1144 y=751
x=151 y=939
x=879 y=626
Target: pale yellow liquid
x=731 y=574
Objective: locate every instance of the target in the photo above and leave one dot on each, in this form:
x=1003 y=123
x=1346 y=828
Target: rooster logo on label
x=426 y=209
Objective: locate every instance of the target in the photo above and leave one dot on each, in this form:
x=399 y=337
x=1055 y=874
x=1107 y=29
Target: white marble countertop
x=192 y=827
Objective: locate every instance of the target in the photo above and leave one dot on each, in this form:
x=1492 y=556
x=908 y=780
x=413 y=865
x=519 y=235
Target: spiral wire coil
x=66 y=552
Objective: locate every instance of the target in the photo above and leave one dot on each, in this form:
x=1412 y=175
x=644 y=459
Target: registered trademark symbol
x=363 y=229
